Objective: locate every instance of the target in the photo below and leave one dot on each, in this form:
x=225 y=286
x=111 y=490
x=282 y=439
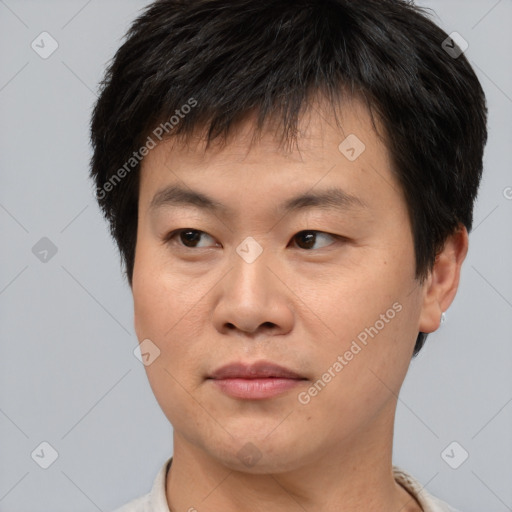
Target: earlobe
x=441 y=286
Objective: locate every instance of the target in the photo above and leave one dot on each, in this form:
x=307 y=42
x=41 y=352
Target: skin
x=298 y=305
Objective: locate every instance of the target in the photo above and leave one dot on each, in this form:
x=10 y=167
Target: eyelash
x=169 y=239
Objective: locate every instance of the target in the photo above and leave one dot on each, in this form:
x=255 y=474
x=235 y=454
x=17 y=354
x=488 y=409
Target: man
x=291 y=186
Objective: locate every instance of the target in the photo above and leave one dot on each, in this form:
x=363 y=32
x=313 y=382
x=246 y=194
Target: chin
x=250 y=459
x=258 y=454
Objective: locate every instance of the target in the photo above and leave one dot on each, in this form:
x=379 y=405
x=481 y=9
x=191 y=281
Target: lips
x=257 y=381
x=259 y=370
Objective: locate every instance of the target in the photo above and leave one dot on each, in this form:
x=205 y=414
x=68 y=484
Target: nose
x=254 y=298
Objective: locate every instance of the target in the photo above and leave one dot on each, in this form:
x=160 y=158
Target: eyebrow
x=332 y=198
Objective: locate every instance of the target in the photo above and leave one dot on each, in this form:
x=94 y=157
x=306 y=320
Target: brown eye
x=187 y=237
x=307 y=239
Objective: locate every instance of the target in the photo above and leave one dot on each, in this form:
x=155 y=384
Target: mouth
x=255 y=381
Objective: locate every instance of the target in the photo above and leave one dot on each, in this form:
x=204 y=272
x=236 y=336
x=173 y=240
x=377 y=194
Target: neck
x=352 y=476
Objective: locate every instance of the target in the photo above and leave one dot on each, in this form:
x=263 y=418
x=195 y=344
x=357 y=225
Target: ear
x=440 y=287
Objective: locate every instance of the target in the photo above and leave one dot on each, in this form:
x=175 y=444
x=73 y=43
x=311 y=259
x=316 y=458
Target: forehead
x=319 y=126
x=332 y=148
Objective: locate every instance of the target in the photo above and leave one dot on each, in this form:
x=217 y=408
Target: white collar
x=156 y=500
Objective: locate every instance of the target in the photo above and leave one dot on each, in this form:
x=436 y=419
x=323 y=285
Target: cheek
x=169 y=319
x=373 y=325
x=352 y=303
x=358 y=379
x=169 y=311
x=159 y=298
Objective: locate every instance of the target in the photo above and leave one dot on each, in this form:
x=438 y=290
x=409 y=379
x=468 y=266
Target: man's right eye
x=187 y=237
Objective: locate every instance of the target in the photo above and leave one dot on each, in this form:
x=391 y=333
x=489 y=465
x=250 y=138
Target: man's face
x=327 y=291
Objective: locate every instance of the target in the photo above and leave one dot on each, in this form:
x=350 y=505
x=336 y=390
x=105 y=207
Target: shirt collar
x=428 y=502
x=158 y=498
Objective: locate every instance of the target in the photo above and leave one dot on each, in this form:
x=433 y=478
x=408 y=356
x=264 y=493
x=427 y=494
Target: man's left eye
x=309 y=238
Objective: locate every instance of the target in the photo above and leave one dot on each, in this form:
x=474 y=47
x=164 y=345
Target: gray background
x=68 y=375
